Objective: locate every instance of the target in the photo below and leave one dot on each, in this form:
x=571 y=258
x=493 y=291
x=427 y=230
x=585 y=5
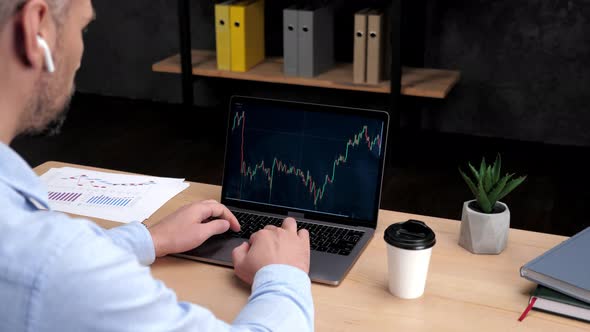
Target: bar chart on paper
x=110 y=196
x=69 y=197
x=111 y=201
x=63 y=197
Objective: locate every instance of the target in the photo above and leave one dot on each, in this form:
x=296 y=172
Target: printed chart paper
x=117 y=197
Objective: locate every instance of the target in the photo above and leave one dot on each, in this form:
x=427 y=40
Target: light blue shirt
x=64 y=274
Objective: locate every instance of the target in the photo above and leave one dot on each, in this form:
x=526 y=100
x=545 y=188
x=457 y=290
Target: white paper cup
x=409 y=247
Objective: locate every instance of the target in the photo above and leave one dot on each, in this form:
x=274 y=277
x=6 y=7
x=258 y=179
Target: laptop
x=322 y=165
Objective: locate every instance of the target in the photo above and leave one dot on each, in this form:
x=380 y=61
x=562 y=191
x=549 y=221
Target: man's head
x=43 y=95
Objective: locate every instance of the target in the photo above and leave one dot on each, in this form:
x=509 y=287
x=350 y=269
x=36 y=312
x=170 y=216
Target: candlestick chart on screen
x=306 y=160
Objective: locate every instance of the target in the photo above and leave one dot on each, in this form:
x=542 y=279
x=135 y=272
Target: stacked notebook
x=239 y=33
x=563 y=275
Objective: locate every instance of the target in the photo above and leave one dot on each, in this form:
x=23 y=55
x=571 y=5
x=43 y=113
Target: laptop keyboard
x=334 y=240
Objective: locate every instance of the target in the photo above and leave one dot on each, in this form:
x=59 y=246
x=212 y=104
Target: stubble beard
x=47 y=109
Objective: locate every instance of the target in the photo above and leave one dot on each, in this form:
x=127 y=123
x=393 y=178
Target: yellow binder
x=247 y=34
x=222 y=35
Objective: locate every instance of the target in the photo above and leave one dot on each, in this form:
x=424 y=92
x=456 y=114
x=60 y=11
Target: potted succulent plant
x=485 y=221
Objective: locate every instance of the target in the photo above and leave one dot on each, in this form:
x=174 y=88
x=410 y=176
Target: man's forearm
x=281 y=295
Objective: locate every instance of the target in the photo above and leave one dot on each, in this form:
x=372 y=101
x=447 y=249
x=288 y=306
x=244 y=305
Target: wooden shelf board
x=419 y=82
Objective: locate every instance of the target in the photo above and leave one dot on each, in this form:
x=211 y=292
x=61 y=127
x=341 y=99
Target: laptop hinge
x=296 y=215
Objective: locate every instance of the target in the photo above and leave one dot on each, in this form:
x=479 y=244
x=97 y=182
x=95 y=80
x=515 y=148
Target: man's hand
x=272 y=245
x=189 y=227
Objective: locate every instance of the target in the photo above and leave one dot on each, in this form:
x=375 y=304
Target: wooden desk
x=464 y=292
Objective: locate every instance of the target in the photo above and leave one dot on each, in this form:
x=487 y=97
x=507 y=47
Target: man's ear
x=35 y=20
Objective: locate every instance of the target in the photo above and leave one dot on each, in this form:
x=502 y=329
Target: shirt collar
x=17 y=174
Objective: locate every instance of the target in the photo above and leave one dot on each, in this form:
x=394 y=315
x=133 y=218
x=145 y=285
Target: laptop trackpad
x=215 y=250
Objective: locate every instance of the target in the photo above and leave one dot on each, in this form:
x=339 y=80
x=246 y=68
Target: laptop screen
x=313 y=159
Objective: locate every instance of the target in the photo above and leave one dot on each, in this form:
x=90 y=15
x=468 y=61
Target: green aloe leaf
x=482 y=199
x=497 y=168
x=470 y=183
x=511 y=186
x=474 y=171
x=487 y=179
x=482 y=167
x=494 y=196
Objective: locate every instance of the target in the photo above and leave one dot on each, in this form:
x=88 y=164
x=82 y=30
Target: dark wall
x=128 y=37
x=525 y=64
x=525 y=67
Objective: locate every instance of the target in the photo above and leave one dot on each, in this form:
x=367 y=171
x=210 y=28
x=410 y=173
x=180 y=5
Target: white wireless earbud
x=47 y=54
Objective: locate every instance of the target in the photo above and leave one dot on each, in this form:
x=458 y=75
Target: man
x=63 y=274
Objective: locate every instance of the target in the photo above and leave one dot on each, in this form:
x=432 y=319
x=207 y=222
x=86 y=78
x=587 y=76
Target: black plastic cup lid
x=410 y=235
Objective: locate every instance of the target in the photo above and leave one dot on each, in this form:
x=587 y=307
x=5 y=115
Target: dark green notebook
x=555 y=302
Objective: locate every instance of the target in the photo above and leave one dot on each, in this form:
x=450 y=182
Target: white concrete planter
x=484 y=233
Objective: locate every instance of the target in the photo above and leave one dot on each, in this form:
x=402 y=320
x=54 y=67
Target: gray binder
x=316 y=41
x=359 y=66
x=290 y=41
x=564 y=268
x=375 y=20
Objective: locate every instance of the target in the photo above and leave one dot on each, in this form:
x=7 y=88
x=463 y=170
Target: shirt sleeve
x=135 y=238
x=95 y=285
x=281 y=297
